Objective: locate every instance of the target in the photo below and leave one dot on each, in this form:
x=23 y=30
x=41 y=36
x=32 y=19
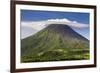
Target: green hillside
x=54 y=43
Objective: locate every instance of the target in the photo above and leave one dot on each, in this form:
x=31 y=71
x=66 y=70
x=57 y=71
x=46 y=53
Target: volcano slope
x=56 y=42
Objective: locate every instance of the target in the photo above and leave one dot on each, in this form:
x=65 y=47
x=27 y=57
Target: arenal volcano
x=56 y=42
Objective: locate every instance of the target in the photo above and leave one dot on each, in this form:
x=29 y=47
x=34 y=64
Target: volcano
x=56 y=42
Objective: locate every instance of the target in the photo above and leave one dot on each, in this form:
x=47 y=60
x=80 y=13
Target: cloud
x=38 y=25
x=35 y=25
x=59 y=20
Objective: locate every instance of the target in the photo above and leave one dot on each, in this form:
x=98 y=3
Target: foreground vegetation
x=56 y=56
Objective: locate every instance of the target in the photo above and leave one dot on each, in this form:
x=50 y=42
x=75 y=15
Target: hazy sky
x=35 y=16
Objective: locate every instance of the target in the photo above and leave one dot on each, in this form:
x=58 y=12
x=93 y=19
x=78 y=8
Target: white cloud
x=35 y=25
x=59 y=20
x=38 y=25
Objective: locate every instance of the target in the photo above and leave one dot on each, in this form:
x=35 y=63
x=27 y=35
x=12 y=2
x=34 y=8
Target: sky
x=38 y=16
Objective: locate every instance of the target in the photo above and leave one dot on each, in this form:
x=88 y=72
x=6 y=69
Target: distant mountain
x=54 y=43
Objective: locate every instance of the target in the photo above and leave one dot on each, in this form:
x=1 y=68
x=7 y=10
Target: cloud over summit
x=38 y=25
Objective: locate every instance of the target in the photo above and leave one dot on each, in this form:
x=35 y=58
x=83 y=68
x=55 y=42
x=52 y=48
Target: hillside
x=54 y=43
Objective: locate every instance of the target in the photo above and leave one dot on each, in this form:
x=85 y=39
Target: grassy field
x=57 y=55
